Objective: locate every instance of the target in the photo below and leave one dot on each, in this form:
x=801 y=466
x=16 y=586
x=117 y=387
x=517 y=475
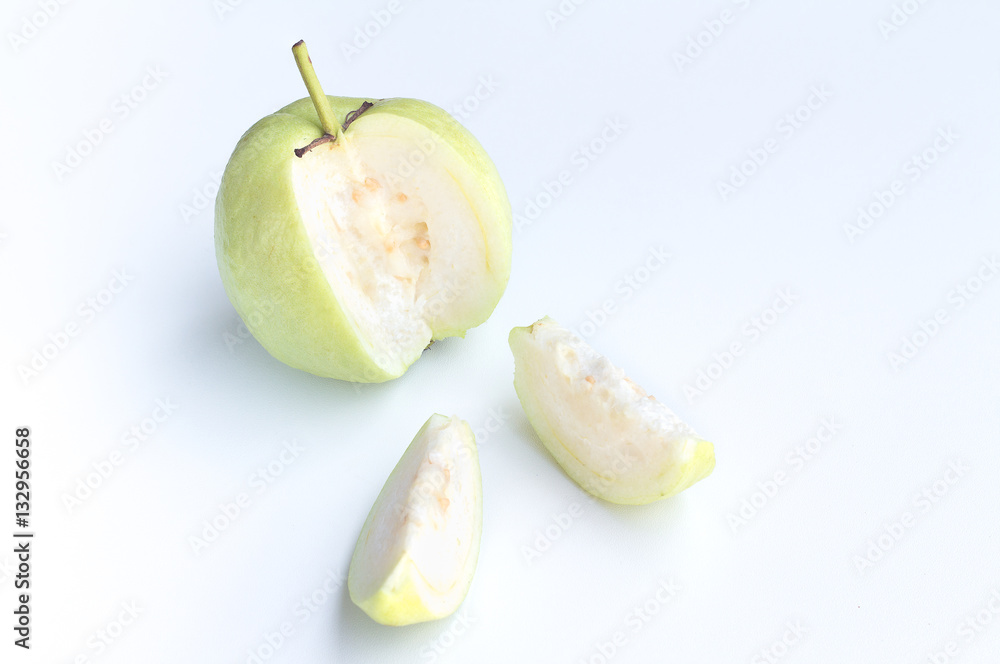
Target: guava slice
x=417 y=552
x=607 y=433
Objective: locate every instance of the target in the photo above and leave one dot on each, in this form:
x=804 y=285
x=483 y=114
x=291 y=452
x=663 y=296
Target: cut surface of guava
x=417 y=552
x=608 y=434
x=396 y=233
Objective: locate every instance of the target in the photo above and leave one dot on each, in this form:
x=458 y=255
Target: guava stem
x=327 y=119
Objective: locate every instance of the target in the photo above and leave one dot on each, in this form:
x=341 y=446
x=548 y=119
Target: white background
x=136 y=204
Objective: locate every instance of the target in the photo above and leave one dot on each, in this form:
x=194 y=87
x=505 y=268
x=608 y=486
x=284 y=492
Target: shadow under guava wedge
x=350 y=233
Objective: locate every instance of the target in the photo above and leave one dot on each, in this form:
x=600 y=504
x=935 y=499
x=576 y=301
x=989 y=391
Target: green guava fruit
x=350 y=233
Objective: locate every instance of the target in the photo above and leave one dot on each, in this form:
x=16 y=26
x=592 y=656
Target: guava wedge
x=417 y=552
x=614 y=440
